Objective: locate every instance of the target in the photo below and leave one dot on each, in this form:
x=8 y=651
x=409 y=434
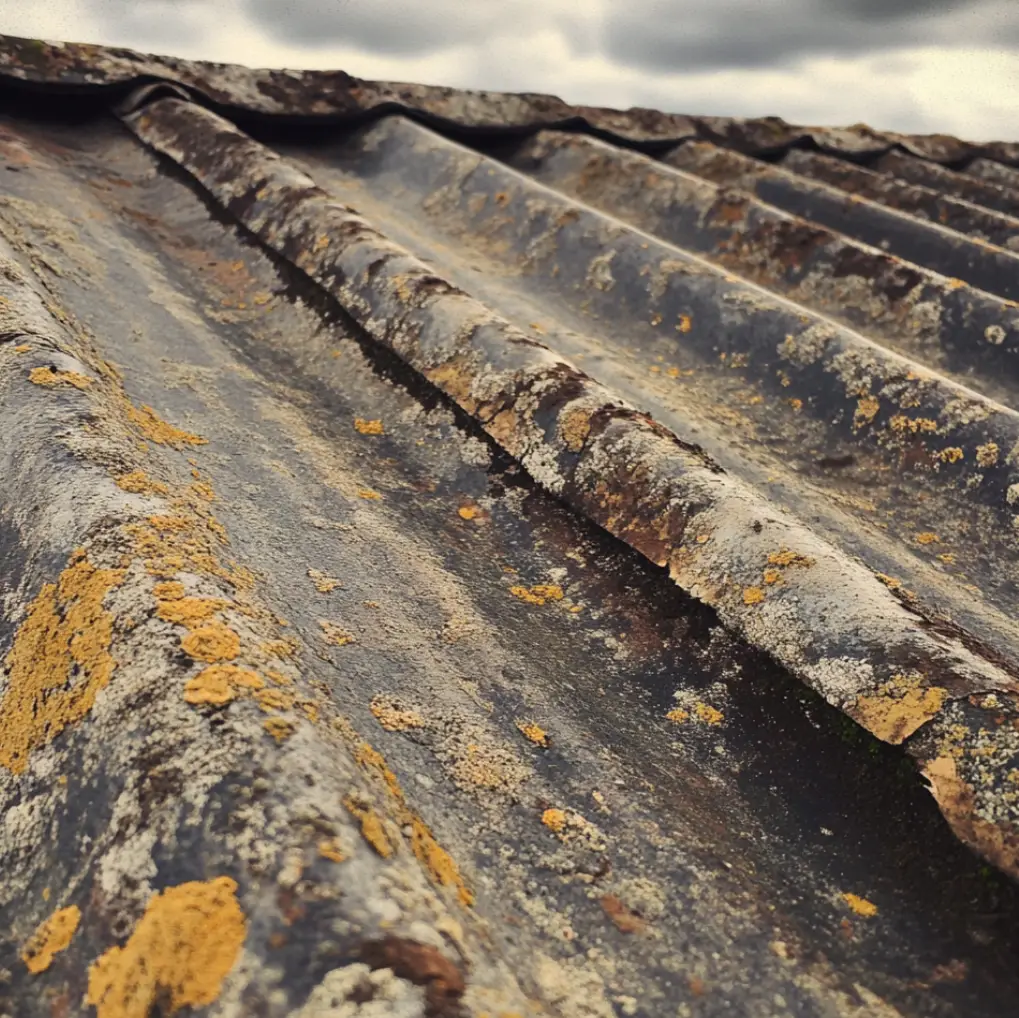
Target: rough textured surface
x=311 y=673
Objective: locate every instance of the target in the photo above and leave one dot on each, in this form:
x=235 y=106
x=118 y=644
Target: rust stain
x=53 y=936
x=59 y=662
x=181 y=950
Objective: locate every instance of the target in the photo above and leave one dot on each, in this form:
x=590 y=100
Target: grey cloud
x=700 y=35
x=162 y=24
x=397 y=27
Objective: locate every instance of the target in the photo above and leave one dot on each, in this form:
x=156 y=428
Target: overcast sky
x=910 y=65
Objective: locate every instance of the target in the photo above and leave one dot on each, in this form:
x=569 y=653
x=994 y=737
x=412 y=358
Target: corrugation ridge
x=331 y=97
x=829 y=620
x=922 y=202
x=994 y=172
x=960 y=185
x=914 y=309
x=945 y=251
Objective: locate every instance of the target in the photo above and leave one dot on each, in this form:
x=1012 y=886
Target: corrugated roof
x=591 y=468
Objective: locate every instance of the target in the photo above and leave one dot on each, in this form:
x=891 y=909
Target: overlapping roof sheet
x=500 y=557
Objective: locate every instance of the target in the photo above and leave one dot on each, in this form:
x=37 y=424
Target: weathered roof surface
x=518 y=578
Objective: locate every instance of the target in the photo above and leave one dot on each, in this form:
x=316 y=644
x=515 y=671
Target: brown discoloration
x=52 y=937
x=622 y=917
x=178 y=955
x=422 y=965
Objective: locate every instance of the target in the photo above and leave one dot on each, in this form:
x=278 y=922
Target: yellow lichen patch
x=373 y=830
x=437 y=862
x=866 y=410
x=279 y=728
x=987 y=455
x=469 y=512
x=708 y=714
x=52 y=937
x=330 y=848
x=786 y=559
x=904 y=425
x=283 y=649
x=393 y=717
x=574 y=428
x=139 y=483
x=684 y=323
x=532 y=732
x=678 y=715
x=889 y=581
x=539 y=593
x=23 y=348
x=334 y=635
x=59 y=662
x=189 y=611
x=51 y=378
x=948 y=558
x=220 y=684
x=752 y=595
x=772 y=576
x=901 y=706
x=168 y=590
x=554 y=819
x=366 y=427
x=156 y=430
x=214 y=641
x=951 y=455
x=927 y=537
x=274 y=699
x=323 y=584
x=368 y=495
x=182 y=949
x=859 y=905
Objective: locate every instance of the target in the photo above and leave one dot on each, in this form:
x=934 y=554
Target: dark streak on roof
x=775 y=364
